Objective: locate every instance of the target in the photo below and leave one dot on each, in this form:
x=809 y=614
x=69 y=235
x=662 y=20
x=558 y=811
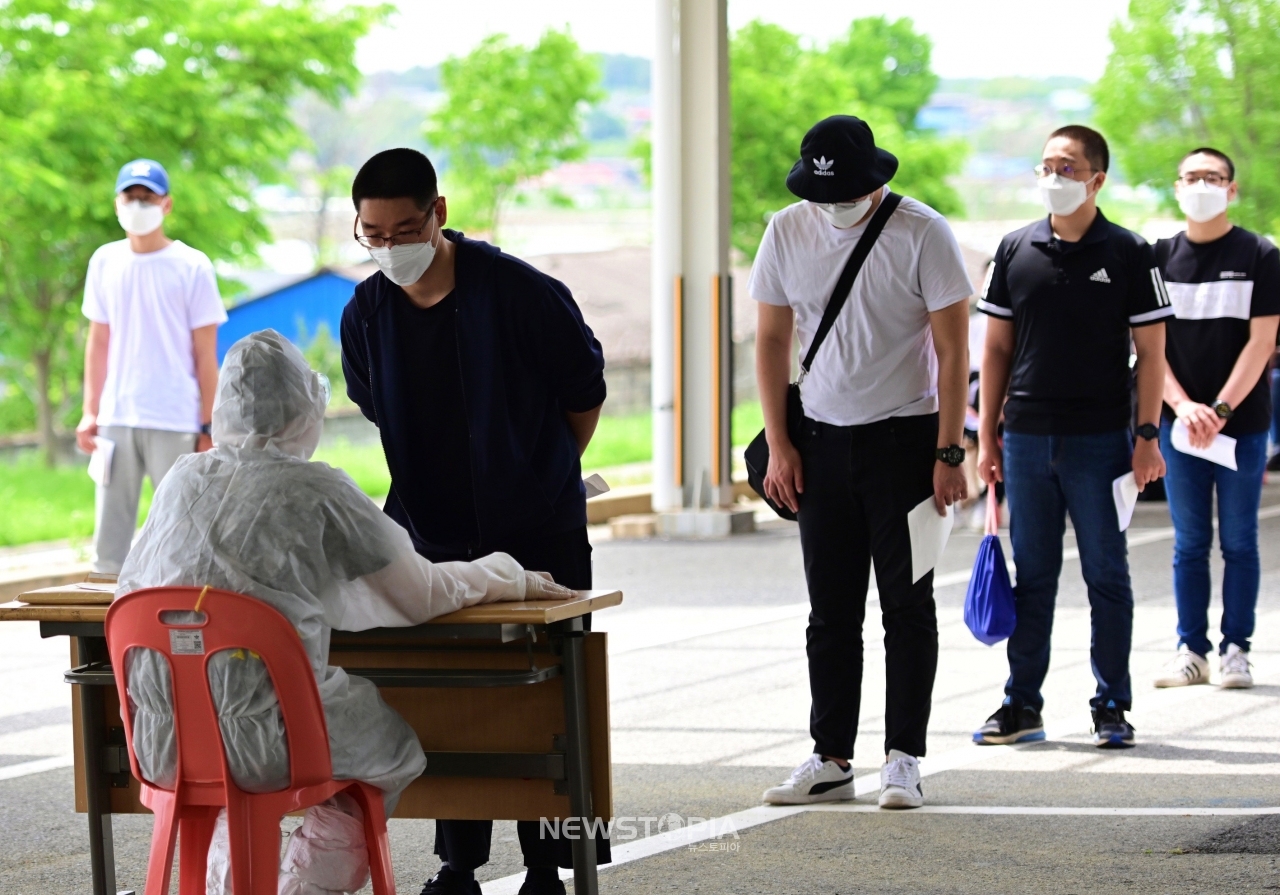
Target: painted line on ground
x=39 y=766
x=844 y=808
x=716 y=827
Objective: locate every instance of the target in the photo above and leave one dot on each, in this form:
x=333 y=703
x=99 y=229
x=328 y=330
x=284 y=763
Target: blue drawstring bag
x=988 y=606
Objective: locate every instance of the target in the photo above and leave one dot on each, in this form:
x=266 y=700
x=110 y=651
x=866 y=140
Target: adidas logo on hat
x=823 y=167
x=1100 y=276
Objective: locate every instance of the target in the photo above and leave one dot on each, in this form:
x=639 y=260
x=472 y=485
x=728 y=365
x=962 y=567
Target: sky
x=974 y=39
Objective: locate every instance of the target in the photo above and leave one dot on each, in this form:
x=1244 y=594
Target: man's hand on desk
x=540 y=586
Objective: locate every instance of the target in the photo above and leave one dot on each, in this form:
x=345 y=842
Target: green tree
x=1183 y=75
x=511 y=113
x=203 y=86
x=879 y=71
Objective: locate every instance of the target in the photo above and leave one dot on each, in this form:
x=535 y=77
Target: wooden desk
x=523 y=686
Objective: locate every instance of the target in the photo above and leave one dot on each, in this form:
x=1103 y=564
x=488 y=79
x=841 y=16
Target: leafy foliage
x=779 y=89
x=1186 y=74
x=202 y=86
x=511 y=113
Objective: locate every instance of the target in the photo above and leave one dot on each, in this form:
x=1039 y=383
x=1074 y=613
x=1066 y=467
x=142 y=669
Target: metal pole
x=97 y=793
x=578 y=759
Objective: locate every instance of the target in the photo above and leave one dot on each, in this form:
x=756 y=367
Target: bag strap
x=844 y=285
x=993 y=512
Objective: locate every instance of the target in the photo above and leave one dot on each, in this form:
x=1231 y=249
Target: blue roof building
x=297 y=310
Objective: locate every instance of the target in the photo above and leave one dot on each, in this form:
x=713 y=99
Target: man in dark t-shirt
x=486 y=385
x=1224 y=283
x=1067 y=296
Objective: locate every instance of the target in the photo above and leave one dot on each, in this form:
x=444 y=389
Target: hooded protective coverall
x=253 y=516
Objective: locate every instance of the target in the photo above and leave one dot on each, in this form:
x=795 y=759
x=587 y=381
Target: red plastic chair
x=204 y=783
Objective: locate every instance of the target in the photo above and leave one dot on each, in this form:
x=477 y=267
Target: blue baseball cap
x=143 y=172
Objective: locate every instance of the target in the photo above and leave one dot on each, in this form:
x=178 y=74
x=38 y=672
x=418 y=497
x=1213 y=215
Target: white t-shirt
x=878 y=360
x=152 y=302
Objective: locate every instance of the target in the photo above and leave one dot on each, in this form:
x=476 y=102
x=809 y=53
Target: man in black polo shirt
x=1065 y=296
x=1224 y=283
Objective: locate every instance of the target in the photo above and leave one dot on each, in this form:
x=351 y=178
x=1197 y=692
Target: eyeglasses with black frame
x=1213 y=178
x=1068 y=171
x=383 y=242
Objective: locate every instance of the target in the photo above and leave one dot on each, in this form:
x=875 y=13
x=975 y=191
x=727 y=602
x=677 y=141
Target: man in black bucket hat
x=883 y=416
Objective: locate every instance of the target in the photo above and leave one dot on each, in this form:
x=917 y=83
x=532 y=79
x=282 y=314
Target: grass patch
x=43 y=504
x=365 y=463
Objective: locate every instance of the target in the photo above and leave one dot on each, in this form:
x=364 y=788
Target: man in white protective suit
x=254 y=516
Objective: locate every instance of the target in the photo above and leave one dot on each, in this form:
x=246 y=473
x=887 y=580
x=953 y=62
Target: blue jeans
x=1190 y=484
x=1046 y=477
x=1275 y=409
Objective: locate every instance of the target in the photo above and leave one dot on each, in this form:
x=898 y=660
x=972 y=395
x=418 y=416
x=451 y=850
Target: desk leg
x=97 y=791
x=578 y=759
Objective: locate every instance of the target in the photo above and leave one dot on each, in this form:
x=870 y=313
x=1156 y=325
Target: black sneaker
x=1273 y=465
x=1110 y=729
x=553 y=886
x=446 y=882
x=1011 y=724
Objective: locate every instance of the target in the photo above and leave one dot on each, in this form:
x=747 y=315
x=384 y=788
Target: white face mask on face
x=843 y=215
x=404 y=265
x=1062 y=195
x=1202 y=202
x=139 y=218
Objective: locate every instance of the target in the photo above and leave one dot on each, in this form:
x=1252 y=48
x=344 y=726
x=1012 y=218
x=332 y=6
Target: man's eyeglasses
x=385 y=242
x=1068 y=171
x=1191 y=178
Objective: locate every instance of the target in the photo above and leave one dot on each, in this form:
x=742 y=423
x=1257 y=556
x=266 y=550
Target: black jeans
x=859 y=484
x=464 y=844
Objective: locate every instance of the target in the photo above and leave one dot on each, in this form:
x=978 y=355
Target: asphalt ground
x=709 y=702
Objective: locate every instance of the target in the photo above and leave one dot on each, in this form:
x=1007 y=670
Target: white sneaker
x=900 y=781
x=1235 y=669
x=816 y=780
x=1186 y=668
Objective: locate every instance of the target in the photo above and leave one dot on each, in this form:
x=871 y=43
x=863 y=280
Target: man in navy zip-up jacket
x=486 y=385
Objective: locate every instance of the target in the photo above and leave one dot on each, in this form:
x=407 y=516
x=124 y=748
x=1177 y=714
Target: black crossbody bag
x=757 y=454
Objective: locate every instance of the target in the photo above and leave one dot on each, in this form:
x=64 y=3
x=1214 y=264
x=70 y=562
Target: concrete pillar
x=692 y=291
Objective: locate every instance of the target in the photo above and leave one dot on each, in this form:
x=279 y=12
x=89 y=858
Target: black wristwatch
x=952 y=455
x=206 y=429
x=1149 y=431
x=1223 y=410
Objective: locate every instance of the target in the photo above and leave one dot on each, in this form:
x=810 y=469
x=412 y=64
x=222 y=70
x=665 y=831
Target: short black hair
x=1216 y=153
x=396 y=174
x=1093 y=143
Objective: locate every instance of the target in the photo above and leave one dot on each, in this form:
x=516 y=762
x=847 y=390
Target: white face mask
x=404 y=265
x=843 y=215
x=1202 y=202
x=139 y=218
x=1062 y=195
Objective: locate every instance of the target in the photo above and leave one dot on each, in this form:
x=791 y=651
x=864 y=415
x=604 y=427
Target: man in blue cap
x=150 y=364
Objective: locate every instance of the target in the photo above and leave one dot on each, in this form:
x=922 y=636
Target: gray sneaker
x=1235 y=669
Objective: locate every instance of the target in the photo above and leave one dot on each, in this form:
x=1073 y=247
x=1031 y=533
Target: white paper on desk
x=1222 y=450
x=595 y=485
x=1125 y=492
x=100 y=460
x=929 y=533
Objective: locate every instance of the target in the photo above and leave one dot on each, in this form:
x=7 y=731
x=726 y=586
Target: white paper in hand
x=595 y=485
x=1222 y=450
x=1125 y=492
x=929 y=533
x=100 y=460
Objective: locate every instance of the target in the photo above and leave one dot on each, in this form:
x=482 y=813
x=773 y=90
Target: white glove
x=540 y=586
